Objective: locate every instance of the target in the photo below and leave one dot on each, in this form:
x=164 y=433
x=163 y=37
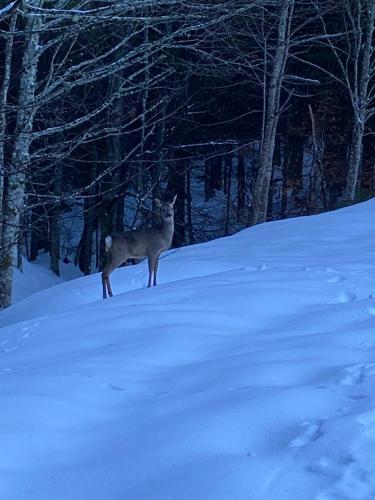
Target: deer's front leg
x=151 y=266
x=104 y=284
x=156 y=269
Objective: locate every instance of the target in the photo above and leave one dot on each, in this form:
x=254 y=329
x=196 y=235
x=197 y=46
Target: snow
x=248 y=373
x=37 y=276
x=6 y=10
x=33 y=278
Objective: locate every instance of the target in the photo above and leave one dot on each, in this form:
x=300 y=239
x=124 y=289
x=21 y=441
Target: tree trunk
x=188 y=206
x=3 y=103
x=119 y=223
x=176 y=185
x=240 y=185
x=216 y=173
x=359 y=93
x=285 y=183
x=34 y=234
x=19 y=251
x=16 y=173
x=355 y=158
x=228 y=170
x=54 y=223
x=87 y=238
x=317 y=160
x=263 y=179
x=207 y=180
x=270 y=197
x=85 y=249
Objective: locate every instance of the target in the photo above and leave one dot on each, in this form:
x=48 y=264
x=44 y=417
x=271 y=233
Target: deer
x=147 y=242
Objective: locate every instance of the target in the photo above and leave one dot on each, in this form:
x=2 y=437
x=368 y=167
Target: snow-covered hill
x=37 y=276
x=33 y=278
x=247 y=374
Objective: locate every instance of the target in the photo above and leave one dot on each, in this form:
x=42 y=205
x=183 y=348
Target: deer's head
x=166 y=209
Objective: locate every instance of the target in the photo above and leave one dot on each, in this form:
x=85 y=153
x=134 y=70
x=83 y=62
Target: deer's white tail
x=108 y=242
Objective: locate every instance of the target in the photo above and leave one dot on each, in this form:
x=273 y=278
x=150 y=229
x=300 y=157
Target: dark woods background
x=248 y=110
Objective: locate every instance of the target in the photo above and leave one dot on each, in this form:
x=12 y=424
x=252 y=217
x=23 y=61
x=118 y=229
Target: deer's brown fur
x=144 y=242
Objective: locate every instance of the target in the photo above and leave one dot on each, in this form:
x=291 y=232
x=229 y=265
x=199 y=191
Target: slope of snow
x=37 y=276
x=33 y=278
x=248 y=373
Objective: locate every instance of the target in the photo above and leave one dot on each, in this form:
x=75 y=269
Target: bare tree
x=55 y=113
x=3 y=106
x=271 y=104
x=354 y=52
x=15 y=172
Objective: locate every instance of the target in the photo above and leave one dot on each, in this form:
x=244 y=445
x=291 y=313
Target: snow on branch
x=9 y=9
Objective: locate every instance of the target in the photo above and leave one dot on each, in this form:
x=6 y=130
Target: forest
x=248 y=110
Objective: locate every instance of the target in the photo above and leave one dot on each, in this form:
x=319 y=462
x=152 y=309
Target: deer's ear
x=174 y=199
x=157 y=202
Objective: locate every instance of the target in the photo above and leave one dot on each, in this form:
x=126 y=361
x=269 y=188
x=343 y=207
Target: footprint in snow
x=329 y=270
x=368 y=421
x=359 y=397
x=346 y=297
x=26 y=332
x=114 y=387
x=10 y=349
x=161 y=393
x=335 y=279
x=312 y=433
x=355 y=375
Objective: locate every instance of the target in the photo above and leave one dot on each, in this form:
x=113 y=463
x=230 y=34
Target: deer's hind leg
x=156 y=268
x=107 y=271
x=106 y=285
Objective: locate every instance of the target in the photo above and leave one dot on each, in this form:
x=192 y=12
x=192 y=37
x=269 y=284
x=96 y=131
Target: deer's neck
x=168 y=230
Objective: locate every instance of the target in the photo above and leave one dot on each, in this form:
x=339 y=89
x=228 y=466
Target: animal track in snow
x=355 y=375
x=161 y=393
x=345 y=297
x=359 y=397
x=10 y=349
x=335 y=279
x=26 y=332
x=114 y=387
x=311 y=434
x=367 y=419
x=247 y=269
x=352 y=472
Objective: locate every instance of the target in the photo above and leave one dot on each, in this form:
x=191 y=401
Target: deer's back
x=141 y=242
